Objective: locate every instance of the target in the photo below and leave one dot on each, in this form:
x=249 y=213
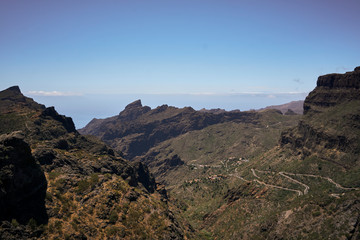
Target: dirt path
x=279 y=187
x=254 y=173
x=326 y=178
x=287 y=175
x=239 y=177
x=276 y=186
x=266 y=184
x=306 y=190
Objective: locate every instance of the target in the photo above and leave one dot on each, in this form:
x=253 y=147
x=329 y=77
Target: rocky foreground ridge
x=58 y=184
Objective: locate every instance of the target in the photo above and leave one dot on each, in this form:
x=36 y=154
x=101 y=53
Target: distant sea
x=82 y=109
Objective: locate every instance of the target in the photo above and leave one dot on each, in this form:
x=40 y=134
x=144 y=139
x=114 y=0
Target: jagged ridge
x=136 y=129
x=91 y=191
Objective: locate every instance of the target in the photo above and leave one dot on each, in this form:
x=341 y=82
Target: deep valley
x=178 y=173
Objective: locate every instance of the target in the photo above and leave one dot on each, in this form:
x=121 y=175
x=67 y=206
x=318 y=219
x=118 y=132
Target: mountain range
x=178 y=173
x=277 y=164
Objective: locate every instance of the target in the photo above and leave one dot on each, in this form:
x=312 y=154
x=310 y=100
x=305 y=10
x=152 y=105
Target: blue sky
x=90 y=58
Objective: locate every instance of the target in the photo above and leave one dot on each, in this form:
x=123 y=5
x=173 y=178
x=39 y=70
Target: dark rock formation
x=12 y=100
x=22 y=182
x=67 y=122
x=331 y=119
x=174 y=161
x=333 y=89
x=133 y=110
x=144 y=177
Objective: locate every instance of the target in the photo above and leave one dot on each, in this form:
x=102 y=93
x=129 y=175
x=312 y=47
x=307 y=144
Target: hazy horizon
x=88 y=107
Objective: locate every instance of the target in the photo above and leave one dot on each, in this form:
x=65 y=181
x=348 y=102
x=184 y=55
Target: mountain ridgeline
x=266 y=174
x=255 y=174
x=58 y=184
x=138 y=128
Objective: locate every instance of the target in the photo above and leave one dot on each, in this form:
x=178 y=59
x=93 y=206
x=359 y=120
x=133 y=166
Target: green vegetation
x=228 y=179
x=12 y=122
x=53 y=175
x=85 y=184
x=32 y=224
x=14 y=222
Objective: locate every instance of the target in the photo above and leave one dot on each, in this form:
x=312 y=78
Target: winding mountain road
x=306 y=190
x=287 y=176
x=326 y=178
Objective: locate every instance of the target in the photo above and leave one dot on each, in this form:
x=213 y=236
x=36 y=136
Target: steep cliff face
x=22 y=182
x=333 y=89
x=330 y=126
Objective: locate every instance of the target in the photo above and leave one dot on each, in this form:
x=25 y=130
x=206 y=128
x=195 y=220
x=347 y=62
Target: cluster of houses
x=212 y=178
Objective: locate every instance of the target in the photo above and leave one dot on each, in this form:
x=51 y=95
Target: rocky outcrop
x=22 y=182
x=333 y=89
x=12 y=100
x=133 y=110
x=330 y=123
x=67 y=122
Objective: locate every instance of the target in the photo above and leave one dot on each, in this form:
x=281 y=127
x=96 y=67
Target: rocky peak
x=333 y=89
x=11 y=93
x=160 y=109
x=135 y=104
x=12 y=100
x=14 y=89
x=133 y=110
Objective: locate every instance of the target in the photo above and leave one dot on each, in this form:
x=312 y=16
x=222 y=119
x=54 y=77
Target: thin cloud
x=54 y=93
x=297 y=80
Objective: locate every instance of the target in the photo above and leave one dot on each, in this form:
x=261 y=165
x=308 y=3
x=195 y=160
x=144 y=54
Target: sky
x=91 y=58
